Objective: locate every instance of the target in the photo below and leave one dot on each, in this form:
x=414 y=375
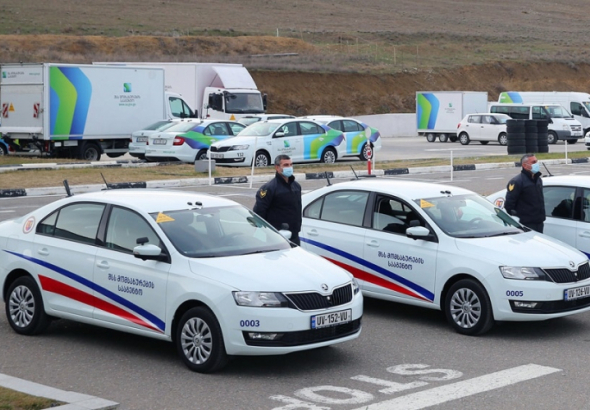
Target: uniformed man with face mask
x=279 y=200
x=524 y=194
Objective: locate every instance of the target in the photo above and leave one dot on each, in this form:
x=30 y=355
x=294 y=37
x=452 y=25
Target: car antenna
x=549 y=172
x=327 y=178
x=67 y=187
x=355 y=175
x=105 y=181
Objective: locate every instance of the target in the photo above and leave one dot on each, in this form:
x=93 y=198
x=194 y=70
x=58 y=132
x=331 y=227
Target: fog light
x=264 y=336
x=526 y=305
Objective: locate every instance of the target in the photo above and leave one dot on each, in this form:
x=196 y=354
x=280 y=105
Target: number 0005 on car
x=577 y=293
x=331 y=319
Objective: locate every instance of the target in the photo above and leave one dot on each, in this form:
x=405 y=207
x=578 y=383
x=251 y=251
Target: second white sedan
x=486 y=127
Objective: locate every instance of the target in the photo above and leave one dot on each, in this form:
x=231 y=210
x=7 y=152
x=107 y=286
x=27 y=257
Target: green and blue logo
x=69 y=99
x=427 y=110
x=3 y=74
x=286 y=144
x=126 y=87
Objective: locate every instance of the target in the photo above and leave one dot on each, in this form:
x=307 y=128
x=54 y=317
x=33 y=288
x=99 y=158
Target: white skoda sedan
x=201 y=271
x=444 y=247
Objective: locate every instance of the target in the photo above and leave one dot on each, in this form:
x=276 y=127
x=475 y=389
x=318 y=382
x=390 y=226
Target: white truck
x=217 y=91
x=81 y=111
x=439 y=112
x=578 y=104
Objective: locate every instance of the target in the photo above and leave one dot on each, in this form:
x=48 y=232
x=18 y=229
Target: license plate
x=142 y=139
x=160 y=141
x=577 y=293
x=331 y=319
x=216 y=156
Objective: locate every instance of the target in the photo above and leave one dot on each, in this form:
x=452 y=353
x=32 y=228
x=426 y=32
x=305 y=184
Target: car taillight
x=178 y=141
x=458 y=125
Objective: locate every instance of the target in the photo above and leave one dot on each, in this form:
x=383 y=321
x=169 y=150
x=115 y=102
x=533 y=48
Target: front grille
x=213 y=148
x=316 y=301
x=306 y=337
x=576 y=127
x=564 y=275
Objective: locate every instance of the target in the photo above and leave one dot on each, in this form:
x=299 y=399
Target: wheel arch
x=11 y=277
x=454 y=279
x=182 y=309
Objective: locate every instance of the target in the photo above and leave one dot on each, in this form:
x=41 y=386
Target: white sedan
x=201 y=271
x=484 y=127
x=444 y=247
x=567 y=209
x=139 y=138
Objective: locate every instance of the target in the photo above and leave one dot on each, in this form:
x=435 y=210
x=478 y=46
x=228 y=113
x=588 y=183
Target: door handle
x=313 y=232
x=585 y=234
x=373 y=244
x=43 y=252
x=103 y=265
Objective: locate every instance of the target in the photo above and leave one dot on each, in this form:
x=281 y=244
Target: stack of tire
x=542 y=136
x=531 y=136
x=515 y=135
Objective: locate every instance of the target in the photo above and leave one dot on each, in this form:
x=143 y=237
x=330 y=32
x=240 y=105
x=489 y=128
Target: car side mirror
x=150 y=252
x=279 y=134
x=418 y=232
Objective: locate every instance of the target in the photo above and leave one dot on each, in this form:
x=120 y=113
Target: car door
x=64 y=250
x=287 y=140
x=333 y=227
x=397 y=266
x=488 y=128
x=131 y=292
x=583 y=224
x=561 y=222
x=474 y=127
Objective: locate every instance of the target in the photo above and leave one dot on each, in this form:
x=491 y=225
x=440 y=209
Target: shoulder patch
x=510 y=187
x=263 y=193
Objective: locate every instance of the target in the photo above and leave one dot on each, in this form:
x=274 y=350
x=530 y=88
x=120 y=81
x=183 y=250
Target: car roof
x=153 y=200
x=568 y=180
x=495 y=114
x=403 y=188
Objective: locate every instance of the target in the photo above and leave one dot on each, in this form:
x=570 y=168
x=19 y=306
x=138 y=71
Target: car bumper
x=171 y=154
x=232 y=158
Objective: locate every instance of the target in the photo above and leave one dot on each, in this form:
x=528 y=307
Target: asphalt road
x=406 y=357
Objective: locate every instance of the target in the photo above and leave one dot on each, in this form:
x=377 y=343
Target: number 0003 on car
x=577 y=293
x=331 y=319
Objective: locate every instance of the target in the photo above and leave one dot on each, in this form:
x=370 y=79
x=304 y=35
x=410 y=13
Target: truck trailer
x=439 y=112
x=81 y=111
x=216 y=90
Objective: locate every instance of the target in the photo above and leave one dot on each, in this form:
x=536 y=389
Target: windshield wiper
x=502 y=234
x=259 y=251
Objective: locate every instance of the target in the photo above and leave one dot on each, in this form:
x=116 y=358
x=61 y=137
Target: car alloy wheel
x=468 y=308
x=24 y=307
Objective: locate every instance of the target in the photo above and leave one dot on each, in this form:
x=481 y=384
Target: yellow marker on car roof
x=163 y=218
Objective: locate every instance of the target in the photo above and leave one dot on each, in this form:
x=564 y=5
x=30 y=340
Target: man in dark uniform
x=524 y=194
x=279 y=200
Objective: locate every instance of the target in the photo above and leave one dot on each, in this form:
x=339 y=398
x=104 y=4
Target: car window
x=260 y=129
x=559 y=201
x=336 y=125
x=585 y=205
x=77 y=222
x=519 y=113
x=309 y=128
x=125 y=227
x=346 y=207
x=289 y=129
x=178 y=108
x=218 y=128
x=476 y=119
x=235 y=127
x=351 y=126
x=392 y=215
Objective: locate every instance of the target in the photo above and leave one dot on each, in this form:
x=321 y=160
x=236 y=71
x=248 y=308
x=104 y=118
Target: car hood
x=526 y=249
x=291 y=270
x=238 y=141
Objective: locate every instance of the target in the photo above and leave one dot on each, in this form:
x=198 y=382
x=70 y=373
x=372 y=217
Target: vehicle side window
x=576 y=108
x=235 y=128
x=337 y=125
x=346 y=207
x=314 y=209
x=76 y=222
x=392 y=215
x=586 y=205
x=216 y=129
x=125 y=227
x=519 y=113
x=475 y=119
x=351 y=126
x=559 y=201
x=487 y=119
x=178 y=108
x=289 y=129
x=309 y=128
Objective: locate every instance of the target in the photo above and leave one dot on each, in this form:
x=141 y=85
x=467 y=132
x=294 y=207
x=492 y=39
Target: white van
x=562 y=126
x=577 y=103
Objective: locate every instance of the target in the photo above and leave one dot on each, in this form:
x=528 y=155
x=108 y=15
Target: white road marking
x=442 y=394
x=6 y=212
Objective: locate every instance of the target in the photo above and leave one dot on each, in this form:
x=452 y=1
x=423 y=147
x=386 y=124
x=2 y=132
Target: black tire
x=364 y=156
x=261 y=159
x=572 y=141
x=201 y=155
x=443 y=138
x=329 y=156
x=430 y=137
x=503 y=139
x=483 y=142
x=199 y=341
x=24 y=307
x=532 y=149
x=519 y=149
x=543 y=149
x=89 y=151
x=551 y=137
x=464 y=138
x=468 y=308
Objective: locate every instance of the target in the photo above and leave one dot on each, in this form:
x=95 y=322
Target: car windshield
x=182 y=126
x=219 y=231
x=557 y=111
x=468 y=216
x=156 y=125
x=243 y=102
x=259 y=129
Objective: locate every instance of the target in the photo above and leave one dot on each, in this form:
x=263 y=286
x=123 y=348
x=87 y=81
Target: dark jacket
x=524 y=198
x=279 y=202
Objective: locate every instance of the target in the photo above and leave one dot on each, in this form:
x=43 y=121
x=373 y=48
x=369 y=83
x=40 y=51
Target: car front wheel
x=464 y=138
x=24 y=307
x=503 y=139
x=199 y=341
x=261 y=159
x=328 y=156
x=468 y=308
x=551 y=137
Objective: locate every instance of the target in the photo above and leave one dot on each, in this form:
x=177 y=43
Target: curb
x=78 y=189
x=75 y=401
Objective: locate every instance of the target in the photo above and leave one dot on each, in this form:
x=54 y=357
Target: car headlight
x=522 y=273
x=260 y=299
x=355 y=286
x=238 y=147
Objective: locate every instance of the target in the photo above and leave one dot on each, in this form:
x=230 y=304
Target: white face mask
x=288 y=171
x=535 y=168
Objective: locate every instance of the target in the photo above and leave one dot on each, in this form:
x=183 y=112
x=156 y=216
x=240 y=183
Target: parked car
x=189 y=140
x=484 y=128
x=567 y=209
x=446 y=248
x=360 y=139
x=251 y=119
x=302 y=140
x=139 y=138
x=201 y=271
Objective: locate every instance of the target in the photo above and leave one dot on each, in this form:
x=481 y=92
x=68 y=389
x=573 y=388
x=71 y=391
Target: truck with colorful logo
x=439 y=112
x=81 y=111
x=217 y=91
